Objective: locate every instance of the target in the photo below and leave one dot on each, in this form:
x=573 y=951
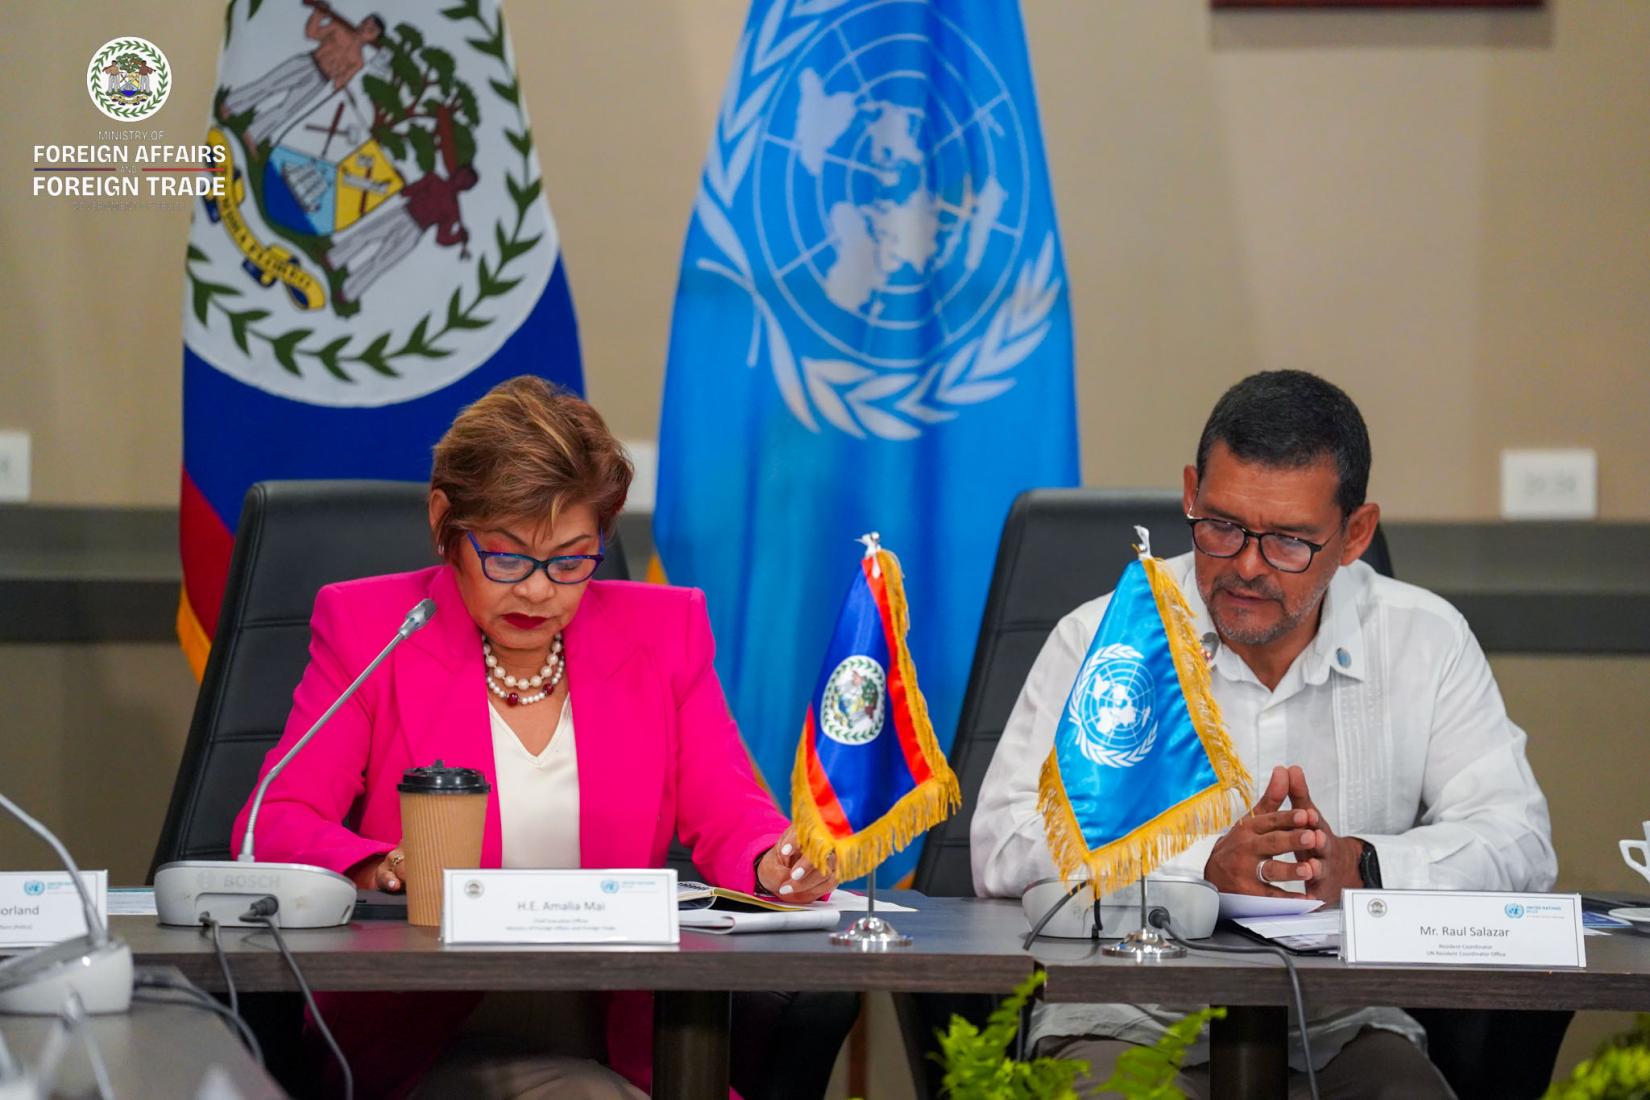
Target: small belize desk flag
x=869 y=777
x=1141 y=765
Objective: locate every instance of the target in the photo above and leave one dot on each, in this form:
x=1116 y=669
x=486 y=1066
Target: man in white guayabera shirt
x=1363 y=705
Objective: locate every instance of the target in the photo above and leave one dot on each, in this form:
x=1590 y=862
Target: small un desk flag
x=869 y=776
x=1141 y=765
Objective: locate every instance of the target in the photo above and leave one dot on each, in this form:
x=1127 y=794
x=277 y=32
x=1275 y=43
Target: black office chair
x=1060 y=548
x=294 y=538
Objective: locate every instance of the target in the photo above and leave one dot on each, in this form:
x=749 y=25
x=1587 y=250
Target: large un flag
x=872 y=331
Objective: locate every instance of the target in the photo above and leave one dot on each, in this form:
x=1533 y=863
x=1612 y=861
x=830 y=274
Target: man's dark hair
x=1291 y=418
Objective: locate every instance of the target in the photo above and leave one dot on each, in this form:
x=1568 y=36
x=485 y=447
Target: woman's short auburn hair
x=523 y=453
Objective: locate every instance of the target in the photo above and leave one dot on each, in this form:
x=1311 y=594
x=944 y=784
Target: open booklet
x=705 y=908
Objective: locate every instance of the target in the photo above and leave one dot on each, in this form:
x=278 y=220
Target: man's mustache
x=1262 y=590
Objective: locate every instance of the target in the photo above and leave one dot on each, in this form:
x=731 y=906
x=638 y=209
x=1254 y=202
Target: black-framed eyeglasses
x=1221 y=538
x=506 y=568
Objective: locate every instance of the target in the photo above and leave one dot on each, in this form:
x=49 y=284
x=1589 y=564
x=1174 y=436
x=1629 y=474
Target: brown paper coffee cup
x=443 y=816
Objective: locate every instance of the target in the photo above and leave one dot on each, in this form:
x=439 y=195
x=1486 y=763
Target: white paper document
x=132 y=901
x=846 y=901
x=719 y=922
x=1233 y=906
x=1316 y=931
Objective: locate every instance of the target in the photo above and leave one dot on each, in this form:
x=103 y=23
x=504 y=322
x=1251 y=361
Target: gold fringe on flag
x=1130 y=858
x=930 y=803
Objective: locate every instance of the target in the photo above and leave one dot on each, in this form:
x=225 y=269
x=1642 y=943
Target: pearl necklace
x=546 y=680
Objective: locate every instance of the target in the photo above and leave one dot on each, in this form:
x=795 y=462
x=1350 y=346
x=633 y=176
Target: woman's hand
x=783 y=872
x=382 y=872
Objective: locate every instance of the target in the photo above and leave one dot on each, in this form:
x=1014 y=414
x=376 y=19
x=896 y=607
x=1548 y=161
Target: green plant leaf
x=522 y=143
x=410 y=35
x=196 y=254
x=510 y=92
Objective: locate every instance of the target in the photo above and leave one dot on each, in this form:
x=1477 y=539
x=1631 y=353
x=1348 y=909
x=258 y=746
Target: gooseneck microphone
x=93 y=966
x=416 y=618
x=306 y=896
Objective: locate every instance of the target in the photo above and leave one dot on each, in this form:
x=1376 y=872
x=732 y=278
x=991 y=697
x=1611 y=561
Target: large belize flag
x=872 y=330
x=383 y=254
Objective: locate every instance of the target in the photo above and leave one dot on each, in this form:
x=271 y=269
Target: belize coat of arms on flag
x=379 y=230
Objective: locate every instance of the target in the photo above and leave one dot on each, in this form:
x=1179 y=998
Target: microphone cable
x=194 y=997
x=1042 y=921
x=1159 y=919
x=262 y=913
x=212 y=926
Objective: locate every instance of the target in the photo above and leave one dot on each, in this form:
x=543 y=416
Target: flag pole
x=870 y=932
x=1144 y=944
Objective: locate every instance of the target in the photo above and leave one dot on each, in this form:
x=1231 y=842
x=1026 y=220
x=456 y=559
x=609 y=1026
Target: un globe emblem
x=1112 y=707
x=870 y=188
x=891 y=179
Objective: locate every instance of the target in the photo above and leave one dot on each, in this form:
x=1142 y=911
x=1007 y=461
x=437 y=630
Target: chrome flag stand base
x=870 y=932
x=1145 y=944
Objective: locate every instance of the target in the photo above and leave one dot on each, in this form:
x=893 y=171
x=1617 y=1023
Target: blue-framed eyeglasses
x=508 y=568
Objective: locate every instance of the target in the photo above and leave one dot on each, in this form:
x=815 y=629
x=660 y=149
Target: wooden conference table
x=1248 y=1052
x=195 y=1044
x=963 y=945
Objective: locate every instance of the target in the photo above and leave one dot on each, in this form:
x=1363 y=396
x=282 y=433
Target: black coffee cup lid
x=440 y=779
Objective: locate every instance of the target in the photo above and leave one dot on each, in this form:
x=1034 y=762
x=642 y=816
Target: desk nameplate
x=1462 y=928
x=500 y=906
x=41 y=907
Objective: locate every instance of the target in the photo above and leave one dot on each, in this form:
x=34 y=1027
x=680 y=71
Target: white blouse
x=538 y=796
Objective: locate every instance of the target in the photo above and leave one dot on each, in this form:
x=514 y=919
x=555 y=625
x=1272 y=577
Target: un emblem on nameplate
x=1112 y=708
x=884 y=179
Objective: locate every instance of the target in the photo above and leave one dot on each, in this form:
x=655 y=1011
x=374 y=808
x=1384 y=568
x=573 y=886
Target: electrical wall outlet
x=644 y=456
x=14 y=466
x=1549 y=484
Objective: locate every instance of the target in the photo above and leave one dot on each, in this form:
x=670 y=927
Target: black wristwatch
x=1369 y=865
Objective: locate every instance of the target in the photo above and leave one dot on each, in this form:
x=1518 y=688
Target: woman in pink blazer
x=524 y=649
